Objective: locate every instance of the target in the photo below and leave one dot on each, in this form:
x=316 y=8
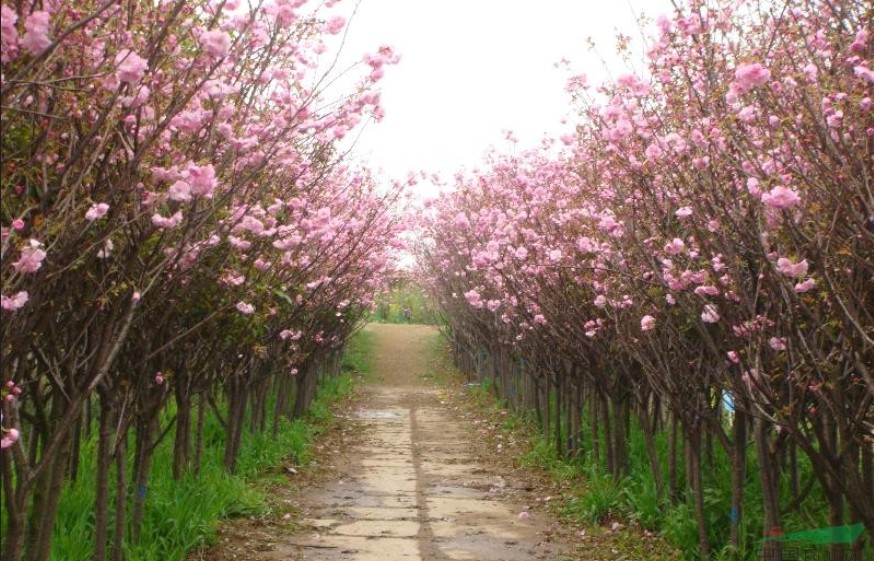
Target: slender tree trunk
x=738 y=477
x=771 y=550
x=673 y=476
x=237 y=399
x=547 y=409
x=44 y=512
x=651 y=453
x=620 y=438
x=104 y=461
x=76 y=451
x=867 y=461
x=608 y=435
x=693 y=441
x=595 y=437
x=198 y=442
x=182 y=442
x=279 y=407
x=145 y=431
x=559 y=396
x=120 y=498
x=14 y=530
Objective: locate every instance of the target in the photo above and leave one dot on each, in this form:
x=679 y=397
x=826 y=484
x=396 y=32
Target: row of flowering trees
x=178 y=226
x=706 y=236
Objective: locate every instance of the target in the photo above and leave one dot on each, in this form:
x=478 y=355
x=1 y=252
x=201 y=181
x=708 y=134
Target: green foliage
x=404 y=294
x=358 y=355
x=601 y=500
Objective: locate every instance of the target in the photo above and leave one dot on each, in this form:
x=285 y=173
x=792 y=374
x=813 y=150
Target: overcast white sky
x=472 y=69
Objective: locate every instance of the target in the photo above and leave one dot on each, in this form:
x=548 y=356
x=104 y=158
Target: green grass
x=358 y=356
x=404 y=294
x=183 y=515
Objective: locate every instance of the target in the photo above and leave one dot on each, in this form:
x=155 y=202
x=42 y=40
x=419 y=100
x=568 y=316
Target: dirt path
x=409 y=487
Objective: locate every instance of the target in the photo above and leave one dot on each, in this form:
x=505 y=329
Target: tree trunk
x=145 y=430
x=76 y=451
x=559 y=396
x=693 y=441
x=44 y=512
x=595 y=438
x=608 y=435
x=104 y=461
x=282 y=383
x=120 y=498
x=738 y=477
x=182 y=443
x=198 y=442
x=652 y=454
x=673 y=476
x=771 y=550
x=15 y=511
x=620 y=438
x=237 y=397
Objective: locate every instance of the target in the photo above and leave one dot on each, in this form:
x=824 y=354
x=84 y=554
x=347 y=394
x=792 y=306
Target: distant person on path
x=408 y=314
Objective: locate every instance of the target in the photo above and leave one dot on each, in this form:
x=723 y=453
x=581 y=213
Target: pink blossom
x=131 y=67
x=31 y=258
x=676 y=247
x=163 y=223
x=136 y=296
x=239 y=243
x=9 y=438
x=202 y=180
x=555 y=255
x=748 y=76
x=777 y=343
x=864 y=73
x=523 y=516
x=179 y=191
x=710 y=314
x=861 y=41
x=286 y=334
x=811 y=71
x=14 y=302
x=231 y=279
x=781 y=198
x=601 y=301
x=36 y=33
x=104 y=253
x=251 y=224
x=707 y=290
x=521 y=253
x=216 y=43
x=647 y=323
x=805 y=286
x=540 y=319
x=578 y=82
x=335 y=25
x=245 y=308
x=8 y=34
x=790 y=269
x=473 y=298
x=733 y=357
x=159 y=378
x=18 y=224
x=684 y=212
x=96 y=211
